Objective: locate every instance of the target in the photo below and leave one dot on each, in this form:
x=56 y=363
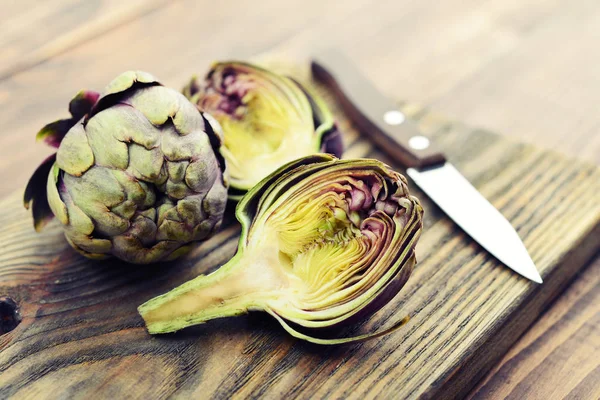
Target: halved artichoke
x=137 y=174
x=267 y=120
x=324 y=243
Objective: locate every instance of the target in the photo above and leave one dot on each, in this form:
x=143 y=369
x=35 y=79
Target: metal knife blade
x=445 y=185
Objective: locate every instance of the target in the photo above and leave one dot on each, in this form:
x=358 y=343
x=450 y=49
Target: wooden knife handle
x=375 y=114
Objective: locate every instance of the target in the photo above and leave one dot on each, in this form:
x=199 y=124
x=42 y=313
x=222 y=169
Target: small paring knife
x=400 y=138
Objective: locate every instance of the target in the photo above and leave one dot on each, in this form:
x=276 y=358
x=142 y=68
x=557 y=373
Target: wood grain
x=81 y=335
x=33 y=32
x=558 y=357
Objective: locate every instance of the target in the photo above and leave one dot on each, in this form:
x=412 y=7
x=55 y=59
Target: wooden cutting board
x=80 y=335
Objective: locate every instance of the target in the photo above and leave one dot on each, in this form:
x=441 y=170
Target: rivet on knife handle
x=400 y=139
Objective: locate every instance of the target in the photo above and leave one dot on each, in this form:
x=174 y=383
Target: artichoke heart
x=324 y=243
x=267 y=120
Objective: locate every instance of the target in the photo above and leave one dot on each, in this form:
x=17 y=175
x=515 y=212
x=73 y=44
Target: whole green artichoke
x=137 y=174
x=268 y=120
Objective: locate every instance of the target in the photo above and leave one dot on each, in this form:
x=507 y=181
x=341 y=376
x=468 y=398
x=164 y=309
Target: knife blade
x=400 y=138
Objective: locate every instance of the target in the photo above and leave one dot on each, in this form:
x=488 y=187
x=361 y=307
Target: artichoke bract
x=324 y=244
x=267 y=119
x=137 y=174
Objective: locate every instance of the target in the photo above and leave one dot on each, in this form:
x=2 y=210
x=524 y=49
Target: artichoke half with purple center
x=268 y=120
x=324 y=244
x=137 y=174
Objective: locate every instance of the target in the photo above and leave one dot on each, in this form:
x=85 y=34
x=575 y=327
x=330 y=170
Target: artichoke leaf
x=54 y=132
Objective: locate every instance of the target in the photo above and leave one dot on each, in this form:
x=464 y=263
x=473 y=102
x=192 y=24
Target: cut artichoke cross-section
x=268 y=120
x=325 y=243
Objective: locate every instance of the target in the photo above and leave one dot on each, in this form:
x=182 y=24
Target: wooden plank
x=79 y=316
x=32 y=32
x=558 y=357
x=550 y=75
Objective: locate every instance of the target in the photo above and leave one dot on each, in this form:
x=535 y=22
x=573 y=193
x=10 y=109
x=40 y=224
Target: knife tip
x=531 y=272
x=537 y=278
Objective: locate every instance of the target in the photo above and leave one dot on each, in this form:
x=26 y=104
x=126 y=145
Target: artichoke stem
x=244 y=283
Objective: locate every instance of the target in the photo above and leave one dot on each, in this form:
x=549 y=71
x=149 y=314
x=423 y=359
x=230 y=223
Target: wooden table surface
x=526 y=69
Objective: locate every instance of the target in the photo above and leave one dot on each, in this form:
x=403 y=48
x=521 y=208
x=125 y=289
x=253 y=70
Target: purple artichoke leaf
x=215 y=134
x=35 y=196
x=332 y=142
x=82 y=103
x=53 y=133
